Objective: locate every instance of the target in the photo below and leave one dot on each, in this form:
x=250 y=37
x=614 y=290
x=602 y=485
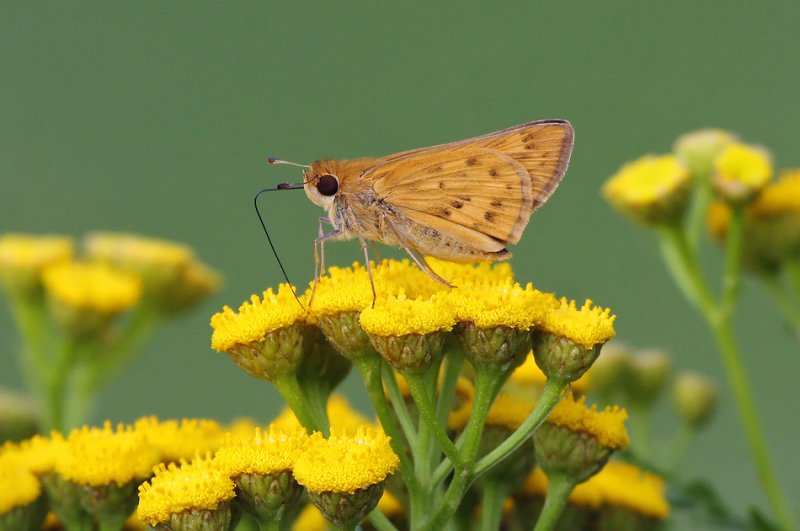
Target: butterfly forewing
x=481 y=190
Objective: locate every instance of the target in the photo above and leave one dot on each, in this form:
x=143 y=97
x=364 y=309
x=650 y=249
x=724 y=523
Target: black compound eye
x=327 y=185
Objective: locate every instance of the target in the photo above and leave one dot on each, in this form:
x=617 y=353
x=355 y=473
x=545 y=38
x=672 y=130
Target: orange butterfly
x=463 y=201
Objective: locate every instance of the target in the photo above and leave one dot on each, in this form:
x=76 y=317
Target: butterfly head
x=322 y=182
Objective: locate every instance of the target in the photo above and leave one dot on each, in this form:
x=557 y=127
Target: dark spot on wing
x=472 y=161
x=441 y=185
x=496 y=203
x=465 y=198
x=488 y=216
x=458 y=205
x=493 y=172
x=446 y=212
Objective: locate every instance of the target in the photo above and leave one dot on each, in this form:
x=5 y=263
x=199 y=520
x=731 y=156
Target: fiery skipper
x=464 y=201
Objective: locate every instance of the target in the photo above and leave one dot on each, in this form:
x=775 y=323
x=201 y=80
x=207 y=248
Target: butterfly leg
x=420 y=261
x=369 y=268
x=319 y=253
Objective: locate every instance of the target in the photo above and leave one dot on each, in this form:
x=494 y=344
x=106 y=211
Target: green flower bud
x=694 y=397
x=502 y=346
x=346 y=509
x=699 y=149
x=647 y=373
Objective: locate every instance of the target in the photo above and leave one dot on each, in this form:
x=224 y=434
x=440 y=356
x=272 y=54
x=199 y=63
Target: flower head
x=184 y=439
x=345 y=463
x=399 y=316
x=588 y=325
x=607 y=426
x=264 y=452
x=94 y=287
x=501 y=304
x=472 y=274
x=101 y=456
x=653 y=189
x=694 y=397
x=24 y=257
x=741 y=172
x=698 y=150
x=18 y=486
x=193 y=491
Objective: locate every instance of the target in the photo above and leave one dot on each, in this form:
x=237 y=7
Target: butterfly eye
x=327 y=185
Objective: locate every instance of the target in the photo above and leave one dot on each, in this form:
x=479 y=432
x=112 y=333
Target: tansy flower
x=740 y=172
x=266 y=336
x=37 y=454
x=408 y=333
x=21 y=503
x=344 y=475
x=176 y=440
x=772 y=223
x=653 y=189
x=495 y=320
x=568 y=340
x=24 y=257
x=187 y=496
x=337 y=302
x=575 y=441
x=92 y=286
x=102 y=468
x=101 y=456
x=173 y=278
x=476 y=273
x=626 y=486
x=261 y=468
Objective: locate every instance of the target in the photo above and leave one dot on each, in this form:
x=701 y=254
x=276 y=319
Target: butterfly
x=464 y=201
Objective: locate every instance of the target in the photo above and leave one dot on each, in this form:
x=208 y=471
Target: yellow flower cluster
x=33 y=253
x=97 y=457
x=409 y=302
x=607 y=426
x=617 y=484
x=646 y=182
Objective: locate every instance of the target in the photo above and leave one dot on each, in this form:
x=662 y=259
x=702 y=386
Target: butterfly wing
x=482 y=190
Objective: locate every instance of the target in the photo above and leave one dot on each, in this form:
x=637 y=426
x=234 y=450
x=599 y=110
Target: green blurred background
x=156 y=117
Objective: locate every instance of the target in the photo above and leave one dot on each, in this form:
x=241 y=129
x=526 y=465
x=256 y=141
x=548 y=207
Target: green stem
x=699 y=210
x=493 y=495
x=290 y=390
x=379 y=520
x=487 y=380
x=419 y=388
x=370 y=369
x=559 y=487
x=683 y=265
x=732 y=278
x=453 y=361
x=547 y=401
x=28 y=314
x=56 y=385
x=792 y=267
x=399 y=406
x=640 y=429
x=676 y=448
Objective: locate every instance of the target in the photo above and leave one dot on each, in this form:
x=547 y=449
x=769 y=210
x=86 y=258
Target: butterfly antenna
x=282 y=186
x=273 y=160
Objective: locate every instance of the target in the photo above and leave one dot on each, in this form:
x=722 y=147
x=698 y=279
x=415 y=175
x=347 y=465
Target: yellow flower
x=101 y=456
x=172 y=276
x=624 y=485
x=18 y=486
x=476 y=273
x=180 y=440
x=24 y=257
x=310 y=519
x=38 y=454
x=400 y=316
x=508 y=412
x=345 y=464
x=652 y=189
x=197 y=486
x=90 y=286
x=264 y=452
x=587 y=326
x=584 y=494
x=741 y=171
x=344 y=289
x=780 y=197
x=503 y=303
x=255 y=319
x=607 y=426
